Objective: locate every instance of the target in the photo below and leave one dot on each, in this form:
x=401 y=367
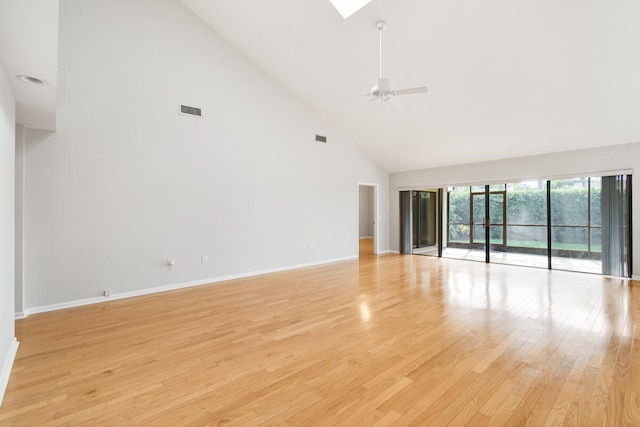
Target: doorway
x=367 y=219
x=425 y=224
x=421 y=222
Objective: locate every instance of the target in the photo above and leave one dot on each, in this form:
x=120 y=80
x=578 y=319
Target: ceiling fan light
x=348 y=7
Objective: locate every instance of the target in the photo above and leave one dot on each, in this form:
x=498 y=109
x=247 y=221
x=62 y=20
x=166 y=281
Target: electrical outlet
x=204 y=259
x=170 y=263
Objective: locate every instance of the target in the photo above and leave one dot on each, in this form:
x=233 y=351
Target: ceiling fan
x=382 y=90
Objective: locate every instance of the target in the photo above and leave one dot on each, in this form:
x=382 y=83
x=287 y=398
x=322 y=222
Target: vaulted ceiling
x=506 y=79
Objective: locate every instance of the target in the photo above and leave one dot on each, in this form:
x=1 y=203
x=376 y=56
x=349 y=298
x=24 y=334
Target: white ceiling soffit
x=348 y=7
x=506 y=79
x=29 y=46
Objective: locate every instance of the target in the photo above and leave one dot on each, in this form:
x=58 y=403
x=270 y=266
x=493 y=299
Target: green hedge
x=569 y=207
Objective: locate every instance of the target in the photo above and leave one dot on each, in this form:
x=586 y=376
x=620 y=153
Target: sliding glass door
x=576 y=224
x=479 y=217
x=526 y=243
x=466 y=233
x=496 y=220
x=580 y=224
x=420 y=222
x=425 y=236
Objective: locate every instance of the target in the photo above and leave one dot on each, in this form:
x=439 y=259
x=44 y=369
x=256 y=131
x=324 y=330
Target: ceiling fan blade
x=411 y=90
x=384 y=85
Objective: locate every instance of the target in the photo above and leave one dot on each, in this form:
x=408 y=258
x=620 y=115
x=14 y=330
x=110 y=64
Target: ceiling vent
x=190 y=111
x=321 y=138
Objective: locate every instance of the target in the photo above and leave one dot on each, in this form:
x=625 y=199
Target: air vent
x=321 y=138
x=190 y=111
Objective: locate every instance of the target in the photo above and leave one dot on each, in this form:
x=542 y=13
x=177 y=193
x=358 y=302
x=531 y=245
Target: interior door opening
x=367 y=219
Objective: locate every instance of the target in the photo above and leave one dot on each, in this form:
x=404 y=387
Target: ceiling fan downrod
x=381 y=26
x=382 y=90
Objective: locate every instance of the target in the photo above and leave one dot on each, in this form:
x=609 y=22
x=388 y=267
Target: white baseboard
x=366 y=237
x=173 y=287
x=386 y=252
x=6 y=368
x=635 y=277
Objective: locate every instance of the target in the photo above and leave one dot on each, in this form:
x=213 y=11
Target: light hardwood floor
x=385 y=340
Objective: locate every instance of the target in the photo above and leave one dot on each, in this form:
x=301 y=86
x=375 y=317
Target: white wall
x=8 y=342
x=366 y=210
x=127 y=183
x=591 y=162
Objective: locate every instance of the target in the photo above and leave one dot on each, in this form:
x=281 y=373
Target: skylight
x=348 y=7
